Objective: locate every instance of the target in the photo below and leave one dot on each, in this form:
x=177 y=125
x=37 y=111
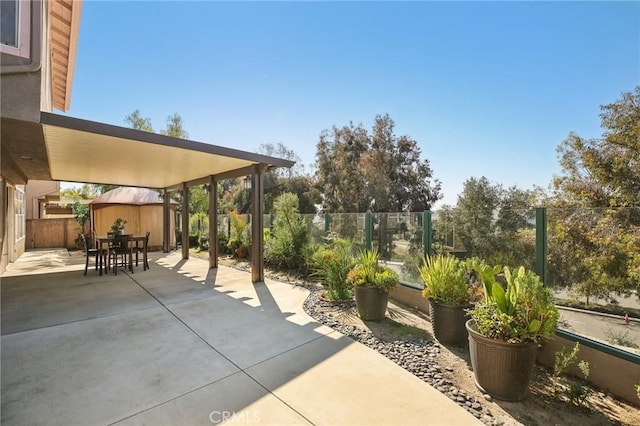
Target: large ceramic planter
x=448 y=322
x=371 y=302
x=503 y=370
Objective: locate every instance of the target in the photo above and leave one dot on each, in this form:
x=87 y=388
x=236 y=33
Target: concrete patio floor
x=181 y=344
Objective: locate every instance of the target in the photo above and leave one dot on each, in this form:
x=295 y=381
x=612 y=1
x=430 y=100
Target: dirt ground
x=541 y=407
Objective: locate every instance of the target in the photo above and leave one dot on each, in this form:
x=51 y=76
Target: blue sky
x=486 y=88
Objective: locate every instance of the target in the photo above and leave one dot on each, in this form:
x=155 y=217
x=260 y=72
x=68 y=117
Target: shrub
x=240 y=238
x=445 y=279
x=283 y=249
x=574 y=390
x=368 y=272
x=523 y=313
x=331 y=264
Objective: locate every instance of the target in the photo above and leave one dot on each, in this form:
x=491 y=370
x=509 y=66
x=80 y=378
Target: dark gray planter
x=371 y=302
x=448 y=323
x=503 y=370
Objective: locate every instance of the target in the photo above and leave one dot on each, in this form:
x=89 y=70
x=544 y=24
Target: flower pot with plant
x=117 y=227
x=451 y=289
x=372 y=283
x=505 y=329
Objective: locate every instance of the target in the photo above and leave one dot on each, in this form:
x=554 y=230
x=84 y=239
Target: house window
x=15 y=28
x=19 y=208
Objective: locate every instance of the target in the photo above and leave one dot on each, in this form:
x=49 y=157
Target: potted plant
x=118 y=226
x=372 y=283
x=451 y=289
x=505 y=329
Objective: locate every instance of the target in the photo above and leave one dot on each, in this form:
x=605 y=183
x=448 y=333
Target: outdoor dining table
x=108 y=241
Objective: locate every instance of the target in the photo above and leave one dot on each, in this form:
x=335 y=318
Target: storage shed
x=140 y=207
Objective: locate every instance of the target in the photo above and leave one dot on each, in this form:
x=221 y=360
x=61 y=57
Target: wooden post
x=213 y=222
x=166 y=223
x=257 y=244
x=185 y=221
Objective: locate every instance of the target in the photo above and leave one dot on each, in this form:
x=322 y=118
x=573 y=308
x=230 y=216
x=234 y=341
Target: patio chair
x=102 y=252
x=121 y=251
x=144 y=249
x=89 y=252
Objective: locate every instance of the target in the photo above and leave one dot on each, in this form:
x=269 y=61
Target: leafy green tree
x=443 y=231
x=279 y=150
x=81 y=214
x=84 y=192
x=340 y=177
x=474 y=216
x=381 y=172
x=199 y=199
x=308 y=195
x=515 y=228
x=495 y=224
x=293 y=180
x=136 y=121
x=175 y=127
x=595 y=226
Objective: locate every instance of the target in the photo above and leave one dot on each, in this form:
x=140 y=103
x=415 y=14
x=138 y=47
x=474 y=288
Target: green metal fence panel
x=368 y=230
x=541 y=243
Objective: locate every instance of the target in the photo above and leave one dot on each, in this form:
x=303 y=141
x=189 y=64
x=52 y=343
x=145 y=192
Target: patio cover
x=70 y=149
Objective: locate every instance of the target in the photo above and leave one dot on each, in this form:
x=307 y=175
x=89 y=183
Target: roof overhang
x=70 y=149
x=64 y=26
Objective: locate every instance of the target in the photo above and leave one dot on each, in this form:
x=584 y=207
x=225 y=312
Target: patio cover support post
x=257 y=221
x=166 y=222
x=213 y=222
x=185 y=221
x=541 y=243
x=3 y=217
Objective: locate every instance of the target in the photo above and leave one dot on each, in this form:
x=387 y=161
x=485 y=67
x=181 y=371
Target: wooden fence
x=51 y=233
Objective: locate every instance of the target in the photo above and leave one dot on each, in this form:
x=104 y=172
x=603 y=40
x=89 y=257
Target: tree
x=595 y=238
x=302 y=186
x=495 y=224
x=138 y=122
x=382 y=172
x=293 y=180
x=84 y=192
x=474 y=216
x=340 y=177
x=281 y=151
x=175 y=127
x=199 y=199
x=81 y=214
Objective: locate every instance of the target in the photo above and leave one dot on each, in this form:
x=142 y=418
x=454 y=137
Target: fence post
x=426 y=232
x=368 y=229
x=327 y=223
x=541 y=243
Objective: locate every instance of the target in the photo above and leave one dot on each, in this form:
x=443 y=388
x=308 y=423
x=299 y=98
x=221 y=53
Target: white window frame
x=19 y=212
x=23 y=49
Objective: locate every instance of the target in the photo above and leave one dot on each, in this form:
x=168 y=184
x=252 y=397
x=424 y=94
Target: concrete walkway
x=180 y=344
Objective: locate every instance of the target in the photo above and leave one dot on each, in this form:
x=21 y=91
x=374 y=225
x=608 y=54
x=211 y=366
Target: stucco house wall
x=36 y=190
